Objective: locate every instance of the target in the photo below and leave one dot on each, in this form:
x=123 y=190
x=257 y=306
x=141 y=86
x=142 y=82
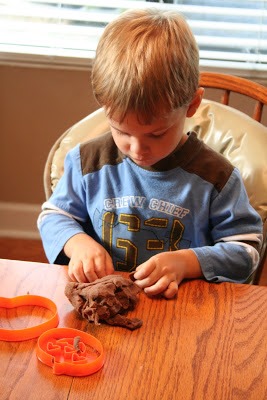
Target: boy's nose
x=137 y=147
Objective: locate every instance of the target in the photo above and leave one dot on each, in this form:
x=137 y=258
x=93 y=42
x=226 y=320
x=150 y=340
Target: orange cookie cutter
x=70 y=351
x=11 y=335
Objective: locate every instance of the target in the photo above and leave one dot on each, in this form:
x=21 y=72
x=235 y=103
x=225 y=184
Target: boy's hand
x=162 y=273
x=88 y=259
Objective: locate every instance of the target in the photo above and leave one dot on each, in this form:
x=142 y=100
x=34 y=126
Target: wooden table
x=209 y=343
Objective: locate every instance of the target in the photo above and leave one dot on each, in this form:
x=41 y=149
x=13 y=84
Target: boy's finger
x=143 y=270
x=89 y=271
x=171 y=291
x=76 y=273
x=151 y=279
x=100 y=266
x=158 y=287
x=131 y=275
x=109 y=266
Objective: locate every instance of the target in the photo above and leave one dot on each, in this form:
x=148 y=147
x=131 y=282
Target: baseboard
x=18 y=220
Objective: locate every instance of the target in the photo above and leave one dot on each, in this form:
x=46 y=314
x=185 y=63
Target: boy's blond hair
x=147 y=62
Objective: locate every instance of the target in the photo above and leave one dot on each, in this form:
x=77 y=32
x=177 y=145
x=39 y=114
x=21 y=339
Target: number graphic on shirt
x=132 y=221
x=130 y=254
x=157 y=222
x=156 y=244
x=176 y=234
x=107 y=230
x=133 y=224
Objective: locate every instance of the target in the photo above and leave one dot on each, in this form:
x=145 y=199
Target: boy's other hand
x=163 y=273
x=88 y=259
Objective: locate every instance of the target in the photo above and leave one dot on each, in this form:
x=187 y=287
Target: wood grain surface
x=208 y=343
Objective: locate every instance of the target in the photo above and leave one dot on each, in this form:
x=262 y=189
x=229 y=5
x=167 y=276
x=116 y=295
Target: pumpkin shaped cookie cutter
x=12 y=335
x=70 y=352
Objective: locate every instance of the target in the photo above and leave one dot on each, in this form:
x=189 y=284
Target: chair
x=239 y=137
x=230 y=84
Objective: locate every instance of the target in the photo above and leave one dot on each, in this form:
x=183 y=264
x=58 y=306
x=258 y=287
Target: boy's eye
x=121 y=133
x=149 y=135
x=158 y=135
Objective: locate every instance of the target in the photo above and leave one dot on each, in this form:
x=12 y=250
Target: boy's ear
x=195 y=103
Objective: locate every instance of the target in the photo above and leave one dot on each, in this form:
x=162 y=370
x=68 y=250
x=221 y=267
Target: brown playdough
x=105 y=300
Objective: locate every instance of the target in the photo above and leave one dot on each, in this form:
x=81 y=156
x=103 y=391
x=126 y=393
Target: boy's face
x=148 y=144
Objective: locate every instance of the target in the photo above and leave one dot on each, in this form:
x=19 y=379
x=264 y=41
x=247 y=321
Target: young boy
x=148 y=196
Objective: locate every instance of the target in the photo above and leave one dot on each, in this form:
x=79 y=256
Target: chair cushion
x=89 y=127
x=242 y=140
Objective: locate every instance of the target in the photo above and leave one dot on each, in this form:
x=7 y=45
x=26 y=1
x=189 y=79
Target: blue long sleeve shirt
x=193 y=199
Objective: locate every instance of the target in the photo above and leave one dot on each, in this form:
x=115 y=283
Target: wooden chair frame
x=253 y=90
x=230 y=83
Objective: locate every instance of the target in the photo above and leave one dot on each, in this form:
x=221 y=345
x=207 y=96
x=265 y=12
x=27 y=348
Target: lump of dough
x=106 y=299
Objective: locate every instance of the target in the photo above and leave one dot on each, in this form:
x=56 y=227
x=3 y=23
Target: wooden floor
x=22 y=249
x=32 y=250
